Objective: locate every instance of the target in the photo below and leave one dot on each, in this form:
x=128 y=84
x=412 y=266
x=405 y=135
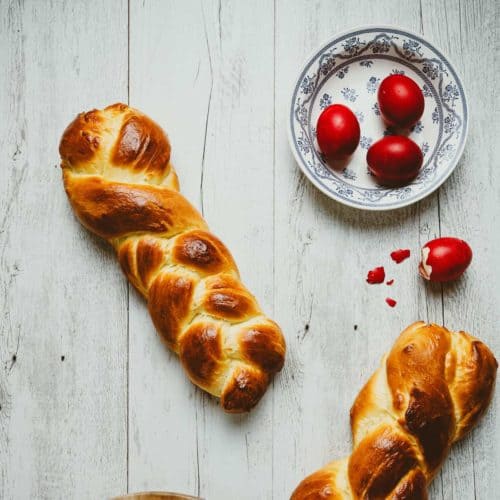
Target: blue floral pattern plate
x=348 y=70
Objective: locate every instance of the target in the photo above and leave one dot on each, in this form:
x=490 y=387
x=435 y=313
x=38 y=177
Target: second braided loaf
x=429 y=391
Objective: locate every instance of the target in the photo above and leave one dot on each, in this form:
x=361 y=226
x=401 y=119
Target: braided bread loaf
x=429 y=391
x=121 y=185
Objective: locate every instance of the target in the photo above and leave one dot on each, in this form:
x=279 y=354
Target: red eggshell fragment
x=390 y=282
x=399 y=255
x=390 y=302
x=376 y=276
x=445 y=259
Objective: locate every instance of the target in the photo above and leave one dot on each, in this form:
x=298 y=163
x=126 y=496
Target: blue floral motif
x=396 y=71
x=388 y=131
x=352 y=45
x=450 y=124
x=446 y=153
x=374 y=195
x=348 y=174
x=418 y=127
x=403 y=193
x=365 y=142
x=431 y=70
x=343 y=191
x=349 y=94
x=426 y=171
x=451 y=94
x=372 y=84
x=367 y=63
x=411 y=48
x=320 y=170
x=435 y=116
x=381 y=46
x=360 y=116
x=301 y=114
x=375 y=109
x=426 y=91
x=307 y=85
x=325 y=101
x=327 y=64
x=425 y=148
x=341 y=73
x=304 y=143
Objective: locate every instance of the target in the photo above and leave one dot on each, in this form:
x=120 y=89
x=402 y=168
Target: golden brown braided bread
x=119 y=180
x=429 y=391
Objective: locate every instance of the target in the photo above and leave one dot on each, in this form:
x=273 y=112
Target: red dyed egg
x=394 y=160
x=337 y=132
x=400 y=101
x=445 y=259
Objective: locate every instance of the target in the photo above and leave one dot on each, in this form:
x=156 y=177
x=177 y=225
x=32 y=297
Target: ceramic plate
x=348 y=70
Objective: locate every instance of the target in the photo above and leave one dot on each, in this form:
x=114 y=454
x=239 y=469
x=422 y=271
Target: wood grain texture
x=212 y=90
x=173 y=90
x=63 y=301
x=118 y=413
x=237 y=200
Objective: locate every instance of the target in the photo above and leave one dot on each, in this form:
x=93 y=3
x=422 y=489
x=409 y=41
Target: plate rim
x=298 y=159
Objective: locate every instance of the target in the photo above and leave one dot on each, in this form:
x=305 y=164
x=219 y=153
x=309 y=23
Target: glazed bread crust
x=428 y=392
x=122 y=186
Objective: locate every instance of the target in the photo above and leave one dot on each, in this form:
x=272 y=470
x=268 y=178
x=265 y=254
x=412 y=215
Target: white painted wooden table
x=91 y=404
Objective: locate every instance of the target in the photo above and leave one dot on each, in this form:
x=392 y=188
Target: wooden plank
x=337 y=326
x=238 y=202
x=170 y=81
x=211 y=87
x=63 y=300
x=470 y=209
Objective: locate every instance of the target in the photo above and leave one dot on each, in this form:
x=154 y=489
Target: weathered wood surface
x=63 y=305
x=118 y=413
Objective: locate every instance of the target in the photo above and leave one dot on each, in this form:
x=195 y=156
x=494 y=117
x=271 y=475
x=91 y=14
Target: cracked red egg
x=445 y=259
